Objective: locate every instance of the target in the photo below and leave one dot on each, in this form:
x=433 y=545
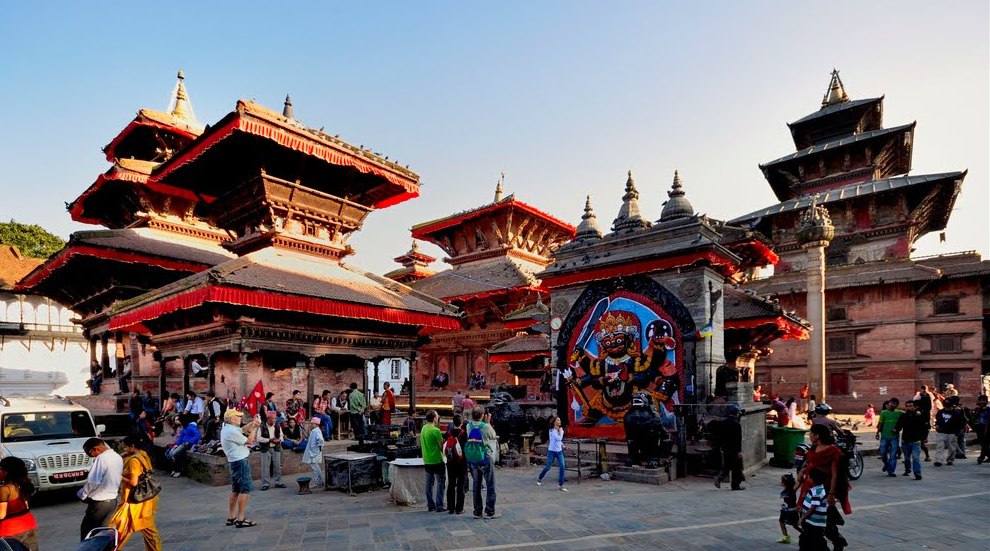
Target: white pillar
x=815 y=268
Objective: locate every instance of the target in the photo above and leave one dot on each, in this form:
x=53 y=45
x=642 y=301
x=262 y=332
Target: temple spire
x=588 y=228
x=181 y=106
x=498 y=188
x=287 y=108
x=836 y=92
x=629 y=217
x=677 y=206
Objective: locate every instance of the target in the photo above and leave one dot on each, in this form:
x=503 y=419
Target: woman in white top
x=555 y=452
x=314 y=453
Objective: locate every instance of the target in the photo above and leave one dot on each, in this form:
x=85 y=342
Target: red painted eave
x=426 y=230
x=71 y=251
x=272 y=301
x=790 y=329
x=137 y=123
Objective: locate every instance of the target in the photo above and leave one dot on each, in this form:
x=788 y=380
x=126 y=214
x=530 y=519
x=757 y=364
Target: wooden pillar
x=412 y=384
x=162 y=388
x=134 y=351
x=242 y=371
x=105 y=355
x=186 y=366
x=92 y=354
x=310 y=381
x=211 y=376
x=377 y=362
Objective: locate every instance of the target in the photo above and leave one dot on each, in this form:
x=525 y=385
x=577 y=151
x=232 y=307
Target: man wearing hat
x=269 y=438
x=234 y=440
x=313 y=456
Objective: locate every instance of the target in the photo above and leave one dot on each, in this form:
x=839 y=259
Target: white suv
x=48 y=433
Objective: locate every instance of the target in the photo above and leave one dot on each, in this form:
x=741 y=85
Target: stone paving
x=948 y=509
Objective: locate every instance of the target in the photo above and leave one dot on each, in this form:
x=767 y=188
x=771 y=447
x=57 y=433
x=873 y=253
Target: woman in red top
x=827 y=458
x=16 y=520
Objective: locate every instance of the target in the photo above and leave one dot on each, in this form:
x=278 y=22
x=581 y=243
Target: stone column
x=310 y=381
x=814 y=232
x=412 y=384
x=242 y=381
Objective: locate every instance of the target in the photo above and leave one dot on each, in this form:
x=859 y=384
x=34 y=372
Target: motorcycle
x=847 y=443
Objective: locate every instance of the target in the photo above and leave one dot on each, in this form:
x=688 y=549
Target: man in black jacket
x=949 y=422
x=913 y=426
x=730 y=433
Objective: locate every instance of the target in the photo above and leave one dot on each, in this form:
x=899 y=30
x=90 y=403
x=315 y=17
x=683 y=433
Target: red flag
x=256 y=399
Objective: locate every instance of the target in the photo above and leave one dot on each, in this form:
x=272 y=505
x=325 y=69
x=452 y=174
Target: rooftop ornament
x=836 y=92
x=677 y=206
x=629 y=217
x=287 y=108
x=588 y=228
x=815 y=228
x=180 y=106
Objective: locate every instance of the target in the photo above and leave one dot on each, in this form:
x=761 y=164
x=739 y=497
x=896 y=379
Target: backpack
x=452 y=449
x=475 y=450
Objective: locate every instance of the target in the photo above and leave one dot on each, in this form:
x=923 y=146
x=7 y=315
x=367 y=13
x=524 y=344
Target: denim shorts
x=240 y=477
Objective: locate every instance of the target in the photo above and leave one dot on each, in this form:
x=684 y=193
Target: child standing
x=788 y=507
x=869 y=415
x=813 y=515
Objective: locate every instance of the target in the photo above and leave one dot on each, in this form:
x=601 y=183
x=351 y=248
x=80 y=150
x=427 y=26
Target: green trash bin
x=785 y=441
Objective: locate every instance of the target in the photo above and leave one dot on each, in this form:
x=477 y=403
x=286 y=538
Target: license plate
x=69 y=476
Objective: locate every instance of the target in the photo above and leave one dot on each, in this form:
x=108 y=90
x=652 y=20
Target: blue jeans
x=436 y=473
x=486 y=471
x=888 y=452
x=326 y=424
x=912 y=456
x=559 y=458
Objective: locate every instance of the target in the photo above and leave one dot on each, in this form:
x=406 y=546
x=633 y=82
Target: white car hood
x=32 y=450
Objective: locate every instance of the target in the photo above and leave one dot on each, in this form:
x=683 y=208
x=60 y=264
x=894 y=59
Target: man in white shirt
x=234 y=439
x=195 y=407
x=102 y=484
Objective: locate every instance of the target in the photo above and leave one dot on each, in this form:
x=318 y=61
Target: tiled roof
x=817 y=148
x=290 y=273
x=483 y=276
x=847 y=192
x=155 y=243
x=834 y=108
x=855 y=275
x=14 y=265
x=522 y=343
x=536 y=311
x=741 y=305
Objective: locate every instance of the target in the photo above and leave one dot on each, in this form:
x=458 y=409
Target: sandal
x=245 y=523
x=231 y=521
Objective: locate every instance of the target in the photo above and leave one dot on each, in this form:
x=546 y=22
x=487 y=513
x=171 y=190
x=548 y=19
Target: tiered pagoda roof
x=414 y=266
x=859 y=170
x=754 y=322
x=97 y=268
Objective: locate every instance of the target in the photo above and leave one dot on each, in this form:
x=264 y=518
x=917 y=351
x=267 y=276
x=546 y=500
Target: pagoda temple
x=494 y=252
x=877 y=297
x=263 y=295
x=155 y=234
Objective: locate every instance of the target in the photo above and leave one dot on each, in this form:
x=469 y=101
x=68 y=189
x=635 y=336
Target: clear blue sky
x=563 y=96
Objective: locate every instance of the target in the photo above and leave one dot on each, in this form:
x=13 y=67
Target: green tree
x=31 y=239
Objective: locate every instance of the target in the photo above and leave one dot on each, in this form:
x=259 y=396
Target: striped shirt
x=816 y=502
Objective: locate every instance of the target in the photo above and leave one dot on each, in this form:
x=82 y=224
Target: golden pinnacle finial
x=498 y=188
x=836 y=92
x=182 y=109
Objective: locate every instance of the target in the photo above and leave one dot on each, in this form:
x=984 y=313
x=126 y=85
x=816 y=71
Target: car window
x=47 y=425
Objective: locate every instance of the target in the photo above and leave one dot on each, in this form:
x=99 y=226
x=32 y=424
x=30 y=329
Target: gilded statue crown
x=618 y=321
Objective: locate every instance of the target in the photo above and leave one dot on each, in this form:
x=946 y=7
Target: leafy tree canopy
x=31 y=239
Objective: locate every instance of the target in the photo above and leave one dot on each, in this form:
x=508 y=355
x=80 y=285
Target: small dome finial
x=677 y=205
x=588 y=228
x=629 y=217
x=287 y=108
x=498 y=188
x=415 y=246
x=836 y=92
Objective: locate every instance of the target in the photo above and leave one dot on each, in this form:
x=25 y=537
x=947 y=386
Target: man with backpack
x=453 y=452
x=479 y=451
x=431 y=442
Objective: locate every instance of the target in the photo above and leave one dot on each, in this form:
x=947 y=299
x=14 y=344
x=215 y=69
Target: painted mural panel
x=621 y=344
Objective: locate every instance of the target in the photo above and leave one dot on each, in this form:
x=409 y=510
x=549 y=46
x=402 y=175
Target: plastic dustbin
x=785 y=441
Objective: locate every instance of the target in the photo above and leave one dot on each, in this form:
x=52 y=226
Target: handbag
x=147 y=488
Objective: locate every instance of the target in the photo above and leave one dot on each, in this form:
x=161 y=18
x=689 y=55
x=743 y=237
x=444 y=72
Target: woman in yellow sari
x=135 y=517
